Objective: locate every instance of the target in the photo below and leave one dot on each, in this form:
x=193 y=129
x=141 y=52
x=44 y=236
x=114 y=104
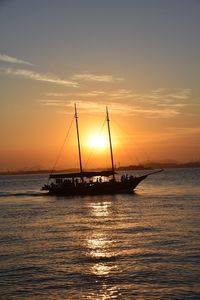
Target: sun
x=98 y=141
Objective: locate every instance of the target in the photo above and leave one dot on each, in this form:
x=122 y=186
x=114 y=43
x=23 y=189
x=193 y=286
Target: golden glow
x=26 y=145
x=99 y=243
x=97 y=141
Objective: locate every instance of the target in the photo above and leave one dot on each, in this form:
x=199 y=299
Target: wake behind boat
x=92 y=183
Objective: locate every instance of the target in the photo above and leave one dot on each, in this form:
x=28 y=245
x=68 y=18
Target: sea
x=140 y=246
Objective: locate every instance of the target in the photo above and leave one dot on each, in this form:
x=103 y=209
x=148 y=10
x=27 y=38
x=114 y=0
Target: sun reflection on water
x=102 y=269
x=101 y=250
x=100 y=209
x=99 y=245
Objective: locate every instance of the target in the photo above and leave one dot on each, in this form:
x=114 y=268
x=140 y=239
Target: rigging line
x=92 y=149
x=61 y=148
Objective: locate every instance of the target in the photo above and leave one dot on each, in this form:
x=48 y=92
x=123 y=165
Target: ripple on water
x=142 y=246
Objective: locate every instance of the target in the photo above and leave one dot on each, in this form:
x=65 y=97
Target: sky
x=138 y=57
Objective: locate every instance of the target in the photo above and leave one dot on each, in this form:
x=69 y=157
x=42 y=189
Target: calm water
x=141 y=246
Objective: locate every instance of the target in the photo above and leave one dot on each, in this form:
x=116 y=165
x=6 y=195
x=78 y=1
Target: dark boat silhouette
x=92 y=183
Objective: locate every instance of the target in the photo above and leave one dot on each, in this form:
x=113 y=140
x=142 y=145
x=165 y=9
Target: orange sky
x=142 y=62
x=33 y=142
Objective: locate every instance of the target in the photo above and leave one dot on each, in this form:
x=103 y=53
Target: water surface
x=141 y=246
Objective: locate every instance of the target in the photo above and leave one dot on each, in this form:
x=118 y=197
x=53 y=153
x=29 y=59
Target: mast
x=78 y=139
x=110 y=141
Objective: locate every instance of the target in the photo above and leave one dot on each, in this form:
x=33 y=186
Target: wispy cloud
x=117 y=108
x=79 y=94
x=127 y=109
x=50 y=102
x=46 y=77
x=53 y=94
x=13 y=60
x=94 y=77
x=159 y=103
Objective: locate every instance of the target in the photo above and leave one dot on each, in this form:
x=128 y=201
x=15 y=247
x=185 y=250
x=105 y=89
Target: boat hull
x=103 y=188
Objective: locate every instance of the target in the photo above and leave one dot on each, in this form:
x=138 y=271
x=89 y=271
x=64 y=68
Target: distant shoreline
x=147 y=166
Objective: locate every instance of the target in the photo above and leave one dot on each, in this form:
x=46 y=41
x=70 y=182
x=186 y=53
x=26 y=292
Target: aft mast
x=78 y=139
x=110 y=141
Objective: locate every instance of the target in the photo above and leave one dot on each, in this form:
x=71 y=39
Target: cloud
x=46 y=77
x=49 y=102
x=117 y=108
x=56 y=94
x=181 y=94
x=82 y=95
x=159 y=103
x=93 y=77
x=13 y=60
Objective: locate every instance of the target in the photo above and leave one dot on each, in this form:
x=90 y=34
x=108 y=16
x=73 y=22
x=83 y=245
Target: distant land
x=144 y=166
x=160 y=165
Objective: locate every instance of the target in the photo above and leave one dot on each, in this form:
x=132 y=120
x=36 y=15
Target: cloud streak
x=46 y=77
x=160 y=103
x=93 y=77
x=13 y=60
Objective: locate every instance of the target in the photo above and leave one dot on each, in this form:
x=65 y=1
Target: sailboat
x=95 y=182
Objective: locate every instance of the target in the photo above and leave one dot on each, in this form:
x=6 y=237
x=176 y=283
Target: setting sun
x=98 y=141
